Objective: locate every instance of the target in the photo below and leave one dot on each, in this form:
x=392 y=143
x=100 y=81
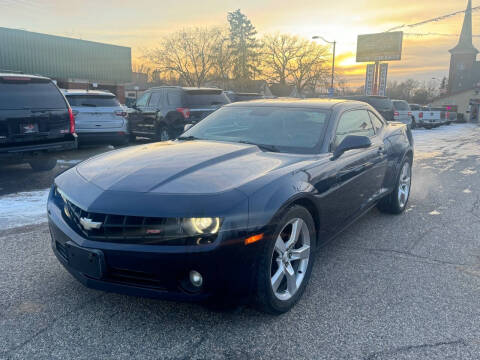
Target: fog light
x=196 y=278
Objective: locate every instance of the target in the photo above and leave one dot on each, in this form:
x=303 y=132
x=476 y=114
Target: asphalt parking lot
x=390 y=287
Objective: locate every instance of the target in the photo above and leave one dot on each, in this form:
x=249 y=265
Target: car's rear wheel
x=43 y=164
x=396 y=202
x=287 y=261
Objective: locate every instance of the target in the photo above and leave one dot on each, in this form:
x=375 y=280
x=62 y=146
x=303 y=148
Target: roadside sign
x=382 y=89
x=369 y=80
x=385 y=46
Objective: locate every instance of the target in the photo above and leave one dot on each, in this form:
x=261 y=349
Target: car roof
x=85 y=92
x=17 y=75
x=317 y=103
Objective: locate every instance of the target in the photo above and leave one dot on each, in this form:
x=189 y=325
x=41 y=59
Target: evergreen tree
x=243 y=44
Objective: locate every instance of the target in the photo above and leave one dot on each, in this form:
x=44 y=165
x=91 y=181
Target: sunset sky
x=138 y=24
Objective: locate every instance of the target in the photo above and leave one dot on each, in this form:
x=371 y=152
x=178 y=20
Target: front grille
x=128 y=229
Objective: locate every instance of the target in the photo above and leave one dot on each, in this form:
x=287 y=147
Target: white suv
x=99 y=117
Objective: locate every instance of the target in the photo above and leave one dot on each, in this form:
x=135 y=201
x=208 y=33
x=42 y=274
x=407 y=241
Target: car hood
x=191 y=167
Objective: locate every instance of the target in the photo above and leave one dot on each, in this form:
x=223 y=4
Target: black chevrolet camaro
x=236 y=207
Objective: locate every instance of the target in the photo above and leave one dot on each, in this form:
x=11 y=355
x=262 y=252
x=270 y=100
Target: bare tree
x=223 y=60
x=309 y=65
x=279 y=51
x=189 y=53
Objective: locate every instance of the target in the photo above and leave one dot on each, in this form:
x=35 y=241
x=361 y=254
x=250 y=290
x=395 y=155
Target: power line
x=439 y=18
x=435 y=34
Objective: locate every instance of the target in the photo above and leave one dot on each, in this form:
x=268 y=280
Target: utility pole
x=331 y=91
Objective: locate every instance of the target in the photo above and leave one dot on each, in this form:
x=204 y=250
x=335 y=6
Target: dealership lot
x=388 y=288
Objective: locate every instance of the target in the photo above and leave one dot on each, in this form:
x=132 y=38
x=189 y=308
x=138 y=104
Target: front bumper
x=160 y=271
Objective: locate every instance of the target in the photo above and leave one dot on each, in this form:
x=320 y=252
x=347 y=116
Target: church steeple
x=465 y=44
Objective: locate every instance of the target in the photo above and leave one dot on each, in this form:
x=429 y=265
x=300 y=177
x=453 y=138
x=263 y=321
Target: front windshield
x=282 y=129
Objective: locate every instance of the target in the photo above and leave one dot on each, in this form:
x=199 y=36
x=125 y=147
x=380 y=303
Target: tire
x=396 y=202
x=281 y=297
x=163 y=133
x=43 y=164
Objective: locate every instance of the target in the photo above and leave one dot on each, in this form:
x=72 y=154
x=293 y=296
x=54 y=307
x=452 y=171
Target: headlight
x=197 y=226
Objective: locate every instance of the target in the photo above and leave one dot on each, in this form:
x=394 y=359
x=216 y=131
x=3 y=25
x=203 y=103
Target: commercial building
x=73 y=63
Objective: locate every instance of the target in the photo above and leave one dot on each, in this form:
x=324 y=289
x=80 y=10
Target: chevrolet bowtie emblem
x=89 y=224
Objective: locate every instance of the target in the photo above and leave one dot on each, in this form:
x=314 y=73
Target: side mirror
x=351 y=142
x=187 y=126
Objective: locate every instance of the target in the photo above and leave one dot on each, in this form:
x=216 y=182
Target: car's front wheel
x=287 y=261
x=396 y=202
x=163 y=133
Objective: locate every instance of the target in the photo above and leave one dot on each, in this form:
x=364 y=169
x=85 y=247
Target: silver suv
x=99 y=117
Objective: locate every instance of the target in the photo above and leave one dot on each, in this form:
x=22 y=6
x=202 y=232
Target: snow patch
x=24 y=208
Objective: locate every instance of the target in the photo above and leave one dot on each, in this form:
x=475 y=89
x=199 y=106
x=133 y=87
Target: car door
x=135 y=118
x=357 y=171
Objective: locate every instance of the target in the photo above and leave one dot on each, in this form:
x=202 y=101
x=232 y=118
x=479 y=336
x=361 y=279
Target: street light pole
x=334 y=44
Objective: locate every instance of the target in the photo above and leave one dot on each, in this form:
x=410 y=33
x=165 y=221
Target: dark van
x=35 y=120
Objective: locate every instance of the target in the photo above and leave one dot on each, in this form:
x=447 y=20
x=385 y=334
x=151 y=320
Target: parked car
x=236 y=207
x=402 y=112
x=161 y=113
x=380 y=103
x=452 y=113
x=238 y=96
x=100 y=118
x=36 y=121
x=427 y=118
x=416 y=110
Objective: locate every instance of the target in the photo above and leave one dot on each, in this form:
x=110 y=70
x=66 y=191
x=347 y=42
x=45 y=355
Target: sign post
x=369 y=79
x=382 y=91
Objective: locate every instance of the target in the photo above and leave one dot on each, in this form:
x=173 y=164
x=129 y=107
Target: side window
x=377 y=123
x=356 y=122
x=156 y=99
x=142 y=102
x=174 y=98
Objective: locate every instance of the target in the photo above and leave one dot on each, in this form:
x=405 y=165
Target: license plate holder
x=90 y=262
x=29 y=128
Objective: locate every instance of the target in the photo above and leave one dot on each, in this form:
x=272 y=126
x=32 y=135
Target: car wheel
x=163 y=134
x=397 y=201
x=414 y=123
x=43 y=164
x=286 y=263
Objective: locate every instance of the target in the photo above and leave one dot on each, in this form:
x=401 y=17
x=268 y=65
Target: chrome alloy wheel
x=290 y=259
x=404 y=185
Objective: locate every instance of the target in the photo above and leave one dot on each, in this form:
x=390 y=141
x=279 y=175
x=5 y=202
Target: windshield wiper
x=188 y=138
x=264 y=147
